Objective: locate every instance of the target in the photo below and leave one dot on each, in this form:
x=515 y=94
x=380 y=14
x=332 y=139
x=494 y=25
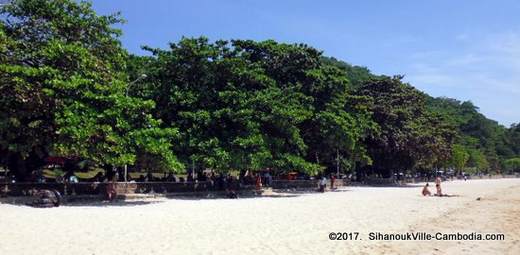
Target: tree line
x=69 y=89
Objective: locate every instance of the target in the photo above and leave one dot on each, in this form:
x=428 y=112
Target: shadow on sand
x=26 y=202
x=285 y=193
x=159 y=198
x=116 y=203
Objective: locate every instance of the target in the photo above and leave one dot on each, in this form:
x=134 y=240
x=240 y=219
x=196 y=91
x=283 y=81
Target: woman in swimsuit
x=438 y=186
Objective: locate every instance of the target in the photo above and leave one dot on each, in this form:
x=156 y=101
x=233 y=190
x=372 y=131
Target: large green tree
x=62 y=85
x=254 y=105
x=409 y=136
x=241 y=104
x=459 y=157
x=513 y=165
x=513 y=139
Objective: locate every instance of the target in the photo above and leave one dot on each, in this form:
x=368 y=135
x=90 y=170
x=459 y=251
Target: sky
x=465 y=49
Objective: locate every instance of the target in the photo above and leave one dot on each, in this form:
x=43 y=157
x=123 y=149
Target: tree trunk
x=18 y=167
x=23 y=167
x=337 y=162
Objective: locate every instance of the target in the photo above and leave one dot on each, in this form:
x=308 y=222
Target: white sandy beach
x=289 y=225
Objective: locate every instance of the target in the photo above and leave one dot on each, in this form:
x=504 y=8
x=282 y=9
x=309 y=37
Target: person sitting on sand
x=438 y=186
x=426 y=191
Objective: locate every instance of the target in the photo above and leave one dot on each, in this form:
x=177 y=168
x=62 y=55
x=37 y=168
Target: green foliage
x=249 y=105
x=478 y=160
x=459 y=157
x=513 y=139
x=409 y=136
x=225 y=105
x=488 y=142
x=63 y=83
x=513 y=165
x=357 y=75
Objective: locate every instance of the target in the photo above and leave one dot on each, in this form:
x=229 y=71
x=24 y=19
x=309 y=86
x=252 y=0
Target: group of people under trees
x=265 y=118
x=218 y=182
x=228 y=183
x=221 y=182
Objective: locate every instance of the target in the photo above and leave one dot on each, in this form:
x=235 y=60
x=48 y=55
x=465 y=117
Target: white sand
x=293 y=225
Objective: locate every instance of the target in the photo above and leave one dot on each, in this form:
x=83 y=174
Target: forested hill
x=69 y=90
x=484 y=142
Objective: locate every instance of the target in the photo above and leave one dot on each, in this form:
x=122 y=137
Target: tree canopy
x=69 y=89
x=62 y=89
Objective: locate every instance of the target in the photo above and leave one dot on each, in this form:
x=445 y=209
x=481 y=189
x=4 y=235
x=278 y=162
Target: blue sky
x=468 y=50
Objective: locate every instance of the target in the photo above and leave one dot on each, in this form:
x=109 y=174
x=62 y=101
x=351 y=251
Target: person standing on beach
x=323 y=183
x=111 y=188
x=258 y=182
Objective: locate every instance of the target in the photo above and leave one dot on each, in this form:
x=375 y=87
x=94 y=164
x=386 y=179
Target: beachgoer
x=111 y=189
x=268 y=179
x=258 y=183
x=212 y=180
x=73 y=179
x=323 y=184
x=426 y=191
x=332 y=180
x=149 y=177
x=232 y=187
x=438 y=186
x=171 y=178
